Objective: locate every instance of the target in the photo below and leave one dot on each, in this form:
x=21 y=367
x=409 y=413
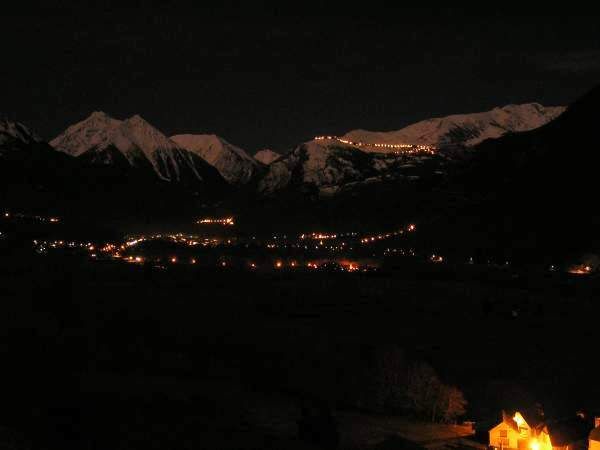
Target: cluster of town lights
x=179 y=238
x=321 y=241
x=347 y=266
x=326 y=243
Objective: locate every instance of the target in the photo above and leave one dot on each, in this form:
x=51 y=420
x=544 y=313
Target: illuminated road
x=404 y=149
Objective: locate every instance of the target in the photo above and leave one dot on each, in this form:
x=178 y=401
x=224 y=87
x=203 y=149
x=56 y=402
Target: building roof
x=531 y=420
x=508 y=420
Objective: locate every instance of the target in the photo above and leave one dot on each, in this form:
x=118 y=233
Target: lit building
x=594 y=437
x=514 y=432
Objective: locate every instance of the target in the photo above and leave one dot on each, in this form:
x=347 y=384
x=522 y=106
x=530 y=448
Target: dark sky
x=265 y=77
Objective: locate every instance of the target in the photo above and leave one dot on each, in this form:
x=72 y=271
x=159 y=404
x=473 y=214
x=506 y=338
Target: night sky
x=275 y=77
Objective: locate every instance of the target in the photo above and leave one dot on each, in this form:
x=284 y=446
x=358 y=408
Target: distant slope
x=464 y=129
x=233 y=163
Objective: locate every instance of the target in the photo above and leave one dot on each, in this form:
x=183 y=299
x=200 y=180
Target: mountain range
x=101 y=157
x=333 y=164
x=103 y=172
x=101 y=139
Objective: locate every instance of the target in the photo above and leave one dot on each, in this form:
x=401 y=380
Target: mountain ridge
x=464 y=129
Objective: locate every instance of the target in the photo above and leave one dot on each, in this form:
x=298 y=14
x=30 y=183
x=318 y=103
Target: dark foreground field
x=109 y=356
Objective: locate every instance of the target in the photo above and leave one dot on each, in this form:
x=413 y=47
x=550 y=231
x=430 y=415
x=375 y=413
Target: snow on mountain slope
x=320 y=163
x=233 y=163
x=102 y=139
x=464 y=129
x=332 y=166
x=266 y=156
x=95 y=132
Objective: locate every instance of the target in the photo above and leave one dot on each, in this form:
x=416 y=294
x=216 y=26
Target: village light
x=438 y=259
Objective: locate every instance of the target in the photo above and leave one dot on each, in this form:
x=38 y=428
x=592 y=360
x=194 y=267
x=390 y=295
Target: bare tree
x=396 y=386
x=453 y=403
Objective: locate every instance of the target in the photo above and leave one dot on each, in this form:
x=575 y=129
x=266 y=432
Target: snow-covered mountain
x=330 y=166
x=266 y=156
x=463 y=129
x=101 y=139
x=233 y=163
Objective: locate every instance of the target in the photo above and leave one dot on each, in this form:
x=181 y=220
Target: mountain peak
x=266 y=156
x=136 y=118
x=98 y=115
x=99 y=131
x=98 y=118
